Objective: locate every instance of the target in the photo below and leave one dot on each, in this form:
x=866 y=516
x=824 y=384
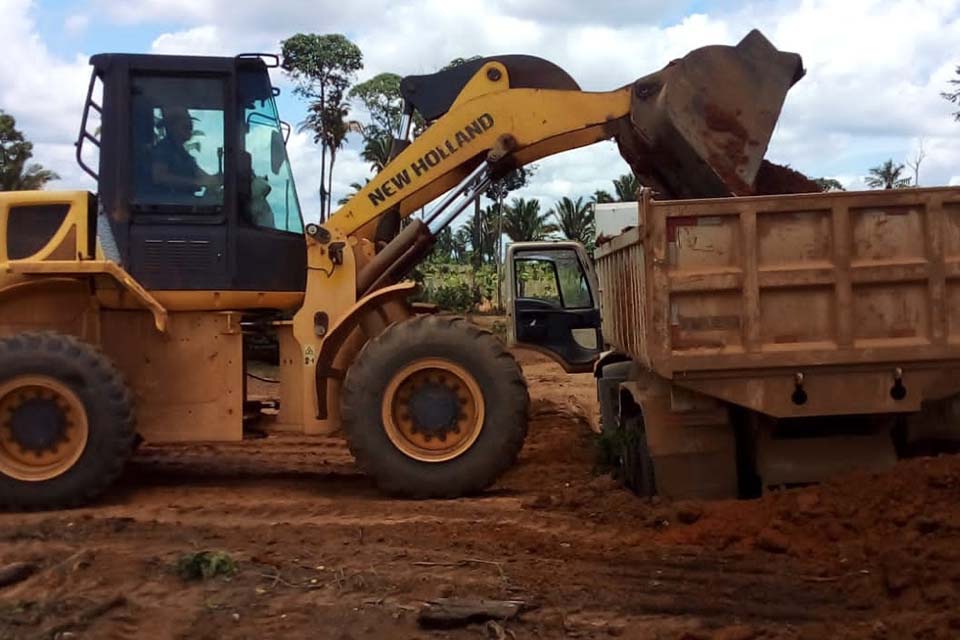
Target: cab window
x=269 y=196
x=553 y=277
x=178 y=134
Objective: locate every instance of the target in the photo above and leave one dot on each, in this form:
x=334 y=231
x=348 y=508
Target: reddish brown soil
x=322 y=555
x=773 y=179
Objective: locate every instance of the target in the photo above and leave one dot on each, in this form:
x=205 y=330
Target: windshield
x=269 y=197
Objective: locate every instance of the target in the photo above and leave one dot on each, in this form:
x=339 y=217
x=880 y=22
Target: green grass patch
x=205 y=565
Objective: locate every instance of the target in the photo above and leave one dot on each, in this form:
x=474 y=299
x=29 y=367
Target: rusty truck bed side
x=845 y=295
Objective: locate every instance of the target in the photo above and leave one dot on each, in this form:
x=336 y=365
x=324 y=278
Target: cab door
x=180 y=197
x=552 y=302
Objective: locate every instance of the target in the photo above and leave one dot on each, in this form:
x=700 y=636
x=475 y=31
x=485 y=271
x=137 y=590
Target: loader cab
x=193 y=173
x=552 y=302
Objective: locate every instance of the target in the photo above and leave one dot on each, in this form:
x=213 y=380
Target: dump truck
x=757 y=342
x=124 y=313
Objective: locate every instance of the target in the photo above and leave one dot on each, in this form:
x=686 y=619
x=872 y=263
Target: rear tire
x=395 y=404
x=637 y=465
x=67 y=427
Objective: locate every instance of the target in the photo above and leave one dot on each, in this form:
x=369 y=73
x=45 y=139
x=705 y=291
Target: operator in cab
x=174 y=171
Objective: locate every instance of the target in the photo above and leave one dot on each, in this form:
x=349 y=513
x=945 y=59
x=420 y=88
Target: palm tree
x=330 y=127
x=575 y=219
x=523 y=222
x=626 y=187
x=462 y=240
x=445 y=248
x=829 y=184
x=376 y=151
x=337 y=131
x=354 y=190
x=887 y=176
x=16 y=172
x=487 y=249
x=601 y=196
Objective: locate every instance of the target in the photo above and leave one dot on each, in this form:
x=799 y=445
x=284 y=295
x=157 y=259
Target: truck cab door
x=552 y=302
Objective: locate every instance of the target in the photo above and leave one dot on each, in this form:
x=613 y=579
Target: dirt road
x=320 y=554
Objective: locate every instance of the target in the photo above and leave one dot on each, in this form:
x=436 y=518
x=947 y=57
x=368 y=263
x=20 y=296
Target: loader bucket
x=700 y=126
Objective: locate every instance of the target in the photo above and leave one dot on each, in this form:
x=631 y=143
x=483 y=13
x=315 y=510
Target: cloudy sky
x=875 y=67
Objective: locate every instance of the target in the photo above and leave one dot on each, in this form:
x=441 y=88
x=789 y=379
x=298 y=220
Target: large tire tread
x=109 y=406
x=415 y=479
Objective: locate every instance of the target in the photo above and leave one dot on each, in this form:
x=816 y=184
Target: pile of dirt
x=887 y=541
x=775 y=179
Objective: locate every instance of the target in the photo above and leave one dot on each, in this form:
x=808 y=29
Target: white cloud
x=595 y=12
x=43 y=92
x=200 y=41
x=144 y=11
x=76 y=24
x=875 y=68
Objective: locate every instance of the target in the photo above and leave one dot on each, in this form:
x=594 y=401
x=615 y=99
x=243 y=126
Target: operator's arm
x=162 y=175
x=177 y=169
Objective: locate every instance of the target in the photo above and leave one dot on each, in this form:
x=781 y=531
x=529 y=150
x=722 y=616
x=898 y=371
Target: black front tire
x=109 y=411
x=478 y=352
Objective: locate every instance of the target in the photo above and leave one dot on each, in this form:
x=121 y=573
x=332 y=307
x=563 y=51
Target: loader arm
x=699 y=127
x=529 y=124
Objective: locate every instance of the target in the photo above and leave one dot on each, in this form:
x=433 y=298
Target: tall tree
x=482 y=239
x=626 y=187
x=601 y=196
x=334 y=125
x=445 y=248
x=376 y=149
x=498 y=192
x=575 y=220
x=456 y=62
x=323 y=66
x=887 y=176
x=380 y=97
x=516 y=179
x=954 y=96
x=355 y=188
x=463 y=241
x=829 y=184
x=523 y=221
x=915 y=161
x=15 y=153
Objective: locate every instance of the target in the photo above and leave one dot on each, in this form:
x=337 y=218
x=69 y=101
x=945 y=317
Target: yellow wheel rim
x=43 y=428
x=433 y=410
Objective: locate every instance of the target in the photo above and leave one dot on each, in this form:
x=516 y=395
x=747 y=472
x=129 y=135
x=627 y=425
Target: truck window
x=555 y=277
x=177 y=136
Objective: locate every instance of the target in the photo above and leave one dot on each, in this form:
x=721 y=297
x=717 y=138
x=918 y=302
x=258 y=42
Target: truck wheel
x=434 y=408
x=66 y=422
x=637 y=464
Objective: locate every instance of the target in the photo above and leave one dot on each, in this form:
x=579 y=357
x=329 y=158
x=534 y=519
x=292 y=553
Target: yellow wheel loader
x=124 y=313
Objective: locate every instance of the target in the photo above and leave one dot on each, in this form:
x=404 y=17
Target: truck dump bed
x=795 y=305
